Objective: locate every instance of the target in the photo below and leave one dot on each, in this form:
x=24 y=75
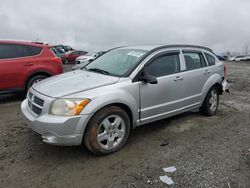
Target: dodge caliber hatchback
x=25 y=63
x=124 y=88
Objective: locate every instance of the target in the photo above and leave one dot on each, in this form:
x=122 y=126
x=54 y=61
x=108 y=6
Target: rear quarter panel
x=216 y=77
x=44 y=63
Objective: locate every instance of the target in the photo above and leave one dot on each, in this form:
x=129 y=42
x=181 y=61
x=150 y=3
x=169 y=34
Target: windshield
x=116 y=62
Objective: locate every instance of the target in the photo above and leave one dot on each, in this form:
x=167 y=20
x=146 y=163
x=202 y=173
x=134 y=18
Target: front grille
x=36 y=109
x=38 y=101
x=35 y=103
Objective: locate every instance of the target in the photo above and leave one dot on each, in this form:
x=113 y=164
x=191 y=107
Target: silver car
x=124 y=88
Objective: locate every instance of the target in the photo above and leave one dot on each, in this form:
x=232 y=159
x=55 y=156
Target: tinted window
x=55 y=51
x=164 y=65
x=194 y=60
x=210 y=59
x=14 y=51
x=34 y=50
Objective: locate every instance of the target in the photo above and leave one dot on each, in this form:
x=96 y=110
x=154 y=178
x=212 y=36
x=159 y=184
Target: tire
x=63 y=61
x=34 y=79
x=211 y=102
x=102 y=137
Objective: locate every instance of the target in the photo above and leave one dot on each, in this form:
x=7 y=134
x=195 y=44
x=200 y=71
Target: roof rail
x=18 y=40
x=39 y=42
x=15 y=40
x=184 y=46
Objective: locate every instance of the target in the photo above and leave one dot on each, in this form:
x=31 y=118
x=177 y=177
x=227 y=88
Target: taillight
x=225 y=69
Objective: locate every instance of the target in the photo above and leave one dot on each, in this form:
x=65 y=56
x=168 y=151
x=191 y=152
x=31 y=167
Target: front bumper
x=56 y=130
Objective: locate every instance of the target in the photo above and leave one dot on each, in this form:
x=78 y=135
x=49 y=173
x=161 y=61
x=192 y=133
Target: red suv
x=24 y=63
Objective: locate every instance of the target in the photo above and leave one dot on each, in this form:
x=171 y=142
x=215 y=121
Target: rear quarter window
x=34 y=50
x=210 y=59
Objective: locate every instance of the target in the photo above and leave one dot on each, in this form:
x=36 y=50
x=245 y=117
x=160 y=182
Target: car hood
x=73 y=82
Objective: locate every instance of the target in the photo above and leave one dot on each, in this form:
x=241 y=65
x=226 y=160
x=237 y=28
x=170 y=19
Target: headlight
x=68 y=107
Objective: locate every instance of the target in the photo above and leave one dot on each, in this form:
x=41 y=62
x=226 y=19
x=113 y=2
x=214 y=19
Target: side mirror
x=148 y=78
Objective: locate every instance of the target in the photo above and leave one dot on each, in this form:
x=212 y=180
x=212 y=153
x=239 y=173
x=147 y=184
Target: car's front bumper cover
x=56 y=130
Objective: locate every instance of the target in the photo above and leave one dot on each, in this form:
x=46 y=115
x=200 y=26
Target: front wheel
x=211 y=102
x=107 y=131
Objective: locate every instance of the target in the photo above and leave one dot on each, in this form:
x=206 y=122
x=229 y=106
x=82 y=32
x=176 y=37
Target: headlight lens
x=68 y=107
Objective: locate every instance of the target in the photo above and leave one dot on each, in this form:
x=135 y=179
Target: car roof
x=158 y=47
x=23 y=42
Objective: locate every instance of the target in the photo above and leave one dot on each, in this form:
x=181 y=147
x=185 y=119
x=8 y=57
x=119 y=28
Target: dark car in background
x=221 y=58
x=59 y=53
x=71 y=56
x=24 y=63
x=63 y=48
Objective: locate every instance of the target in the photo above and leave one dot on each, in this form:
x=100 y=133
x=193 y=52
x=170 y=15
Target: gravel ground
x=207 y=151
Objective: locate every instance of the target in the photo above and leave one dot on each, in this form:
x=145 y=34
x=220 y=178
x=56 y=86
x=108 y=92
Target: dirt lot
x=207 y=152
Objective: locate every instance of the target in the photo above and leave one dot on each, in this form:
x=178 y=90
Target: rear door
x=196 y=74
x=15 y=60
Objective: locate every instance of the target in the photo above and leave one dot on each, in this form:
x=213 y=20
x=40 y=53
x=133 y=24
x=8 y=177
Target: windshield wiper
x=98 y=70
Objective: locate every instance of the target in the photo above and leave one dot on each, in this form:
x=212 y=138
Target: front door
x=164 y=98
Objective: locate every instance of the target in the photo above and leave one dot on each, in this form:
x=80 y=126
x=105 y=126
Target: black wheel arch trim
x=39 y=72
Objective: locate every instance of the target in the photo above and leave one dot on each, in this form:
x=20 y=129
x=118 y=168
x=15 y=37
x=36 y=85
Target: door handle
x=28 y=64
x=207 y=72
x=178 y=78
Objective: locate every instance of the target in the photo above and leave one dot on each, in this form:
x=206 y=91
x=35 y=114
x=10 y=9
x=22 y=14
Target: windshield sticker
x=136 y=54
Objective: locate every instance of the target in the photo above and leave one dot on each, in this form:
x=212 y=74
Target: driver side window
x=164 y=65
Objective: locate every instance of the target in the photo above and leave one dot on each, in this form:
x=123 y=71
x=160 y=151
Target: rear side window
x=34 y=50
x=194 y=60
x=164 y=65
x=210 y=59
x=8 y=51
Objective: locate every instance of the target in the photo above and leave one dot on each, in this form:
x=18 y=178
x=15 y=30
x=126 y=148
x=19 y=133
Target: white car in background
x=247 y=58
x=238 y=58
x=83 y=60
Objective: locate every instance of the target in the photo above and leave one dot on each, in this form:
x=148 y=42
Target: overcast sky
x=101 y=24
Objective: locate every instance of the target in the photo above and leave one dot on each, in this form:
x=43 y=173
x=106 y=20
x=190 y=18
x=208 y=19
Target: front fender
x=211 y=81
x=109 y=98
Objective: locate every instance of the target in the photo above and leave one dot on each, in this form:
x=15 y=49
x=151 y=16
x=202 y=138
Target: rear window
x=210 y=59
x=8 y=51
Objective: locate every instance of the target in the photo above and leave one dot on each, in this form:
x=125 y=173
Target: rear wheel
x=107 y=131
x=35 y=79
x=210 y=104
